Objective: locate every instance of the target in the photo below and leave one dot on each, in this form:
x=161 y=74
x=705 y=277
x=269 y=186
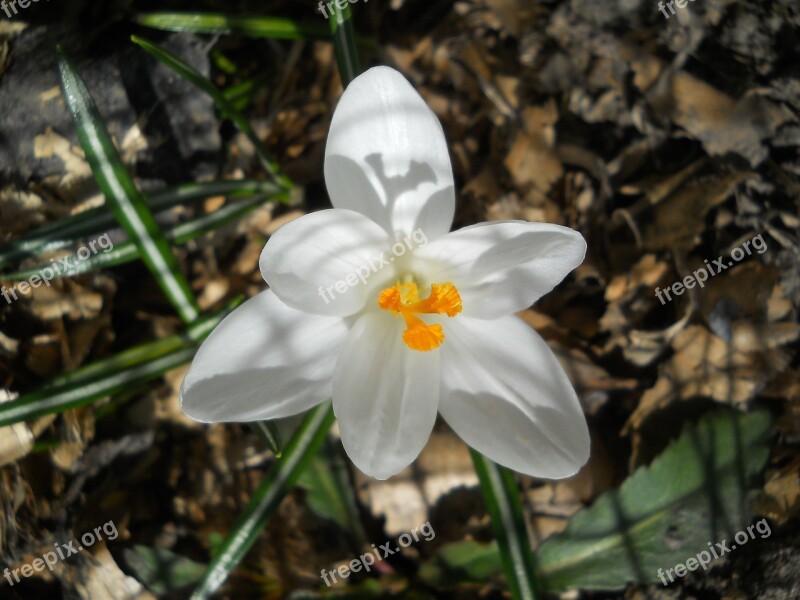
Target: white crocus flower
x=433 y=329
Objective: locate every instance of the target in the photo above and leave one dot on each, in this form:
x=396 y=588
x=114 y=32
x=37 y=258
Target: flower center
x=403 y=299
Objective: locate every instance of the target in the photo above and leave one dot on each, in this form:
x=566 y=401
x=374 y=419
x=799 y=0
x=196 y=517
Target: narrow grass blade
x=126 y=252
x=278 y=481
x=502 y=501
x=248 y=25
x=112 y=375
x=194 y=77
x=271 y=436
x=124 y=199
x=344 y=42
x=241 y=94
x=97 y=220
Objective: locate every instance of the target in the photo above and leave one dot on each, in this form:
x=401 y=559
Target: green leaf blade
x=112 y=375
x=344 y=42
x=125 y=252
x=276 y=484
x=194 y=77
x=220 y=23
x=121 y=193
x=96 y=220
x=508 y=521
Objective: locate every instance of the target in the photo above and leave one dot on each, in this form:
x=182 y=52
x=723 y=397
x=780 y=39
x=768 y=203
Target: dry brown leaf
x=780 y=499
x=20 y=210
x=76 y=178
x=676 y=223
x=705 y=366
x=591 y=381
x=16 y=440
x=748 y=286
x=43 y=354
x=64 y=298
x=646 y=273
x=484 y=187
x=98 y=577
x=76 y=429
x=642 y=348
x=719 y=122
x=532 y=160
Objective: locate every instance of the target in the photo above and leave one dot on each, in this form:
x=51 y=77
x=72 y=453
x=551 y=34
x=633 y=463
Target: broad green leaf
x=279 y=480
x=329 y=492
x=692 y=494
x=124 y=252
x=162 y=571
x=112 y=375
x=248 y=25
x=463 y=562
x=508 y=521
x=95 y=221
x=191 y=75
x=124 y=199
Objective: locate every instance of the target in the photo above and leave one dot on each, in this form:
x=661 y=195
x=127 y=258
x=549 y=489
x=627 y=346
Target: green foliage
x=112 y=375
x=162 y=571
x=219 y=23
x=695 y=492
x=279 y=480
x=194 y=77
x=463 y=562
x=95 y=221
x=126 y=252
x=330 y=494
x=508 y=521
x=121 y=193
x=345 y=45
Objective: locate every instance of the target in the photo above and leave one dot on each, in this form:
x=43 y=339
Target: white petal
x=506 y=395
x=502 y=267
x=264 y=361
x=385 y=396
x=328 y=262
x=387 y=158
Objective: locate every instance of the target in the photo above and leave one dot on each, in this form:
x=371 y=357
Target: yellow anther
x=403 y=299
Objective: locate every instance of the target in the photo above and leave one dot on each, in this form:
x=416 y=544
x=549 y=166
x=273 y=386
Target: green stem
x=280 y=479
x=508 y=521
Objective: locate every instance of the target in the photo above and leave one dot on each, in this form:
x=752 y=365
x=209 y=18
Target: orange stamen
x=403 y=299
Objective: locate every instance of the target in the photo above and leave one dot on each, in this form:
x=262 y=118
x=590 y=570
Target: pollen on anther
x=403 y=299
